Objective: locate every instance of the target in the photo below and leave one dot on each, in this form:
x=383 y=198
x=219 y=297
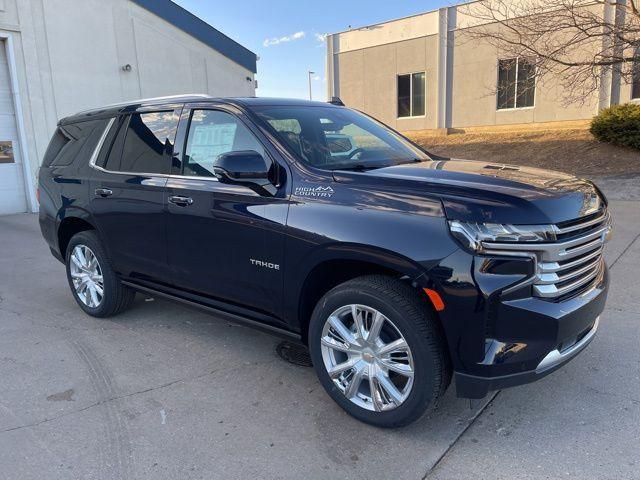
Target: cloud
x=321 y=37
x=268 y=42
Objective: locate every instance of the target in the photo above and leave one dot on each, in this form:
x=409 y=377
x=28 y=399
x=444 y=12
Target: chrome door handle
x=181 y=201
x=103 y=192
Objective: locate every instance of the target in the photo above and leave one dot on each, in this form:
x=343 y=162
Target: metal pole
x=310 y=94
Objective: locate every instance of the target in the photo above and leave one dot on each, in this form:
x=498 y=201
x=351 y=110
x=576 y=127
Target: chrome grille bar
x=552 y=252
x=600 y=219
x=568 y=265
x=549 y=278
x=550 y=267
x=552 y=291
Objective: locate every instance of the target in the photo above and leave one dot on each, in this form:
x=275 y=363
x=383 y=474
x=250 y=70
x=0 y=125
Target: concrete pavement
x=583 y=421
x=166 y=392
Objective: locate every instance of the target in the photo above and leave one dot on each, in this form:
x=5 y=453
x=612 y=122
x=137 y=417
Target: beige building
x=421 y=73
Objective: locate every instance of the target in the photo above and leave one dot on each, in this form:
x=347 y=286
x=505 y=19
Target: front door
x=128 y=193
x=224 y=241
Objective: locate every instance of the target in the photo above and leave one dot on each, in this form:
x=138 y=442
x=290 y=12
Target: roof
x=370 y=26
x=273 y=102
x=113 y=109
x=201 y=30
x=126 y=107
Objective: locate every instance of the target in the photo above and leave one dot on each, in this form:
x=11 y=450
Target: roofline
x=121 y=108
x=201 y=30
x=139 y=101
x=456 y=5
x=365 y=27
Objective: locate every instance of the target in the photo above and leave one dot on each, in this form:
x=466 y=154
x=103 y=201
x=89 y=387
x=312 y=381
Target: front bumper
x=499 y=336
x=472 y=386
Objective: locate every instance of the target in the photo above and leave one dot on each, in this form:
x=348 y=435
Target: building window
x=411 y=95
x=516 y=83
x=6 y=152
x=635 y=79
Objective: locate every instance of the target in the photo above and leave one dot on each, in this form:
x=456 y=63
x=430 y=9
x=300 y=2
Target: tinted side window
x=109 y=156
x=57 y=143
x=290 y=130
x=149 y=137
x=212 y=133
x=68 y=141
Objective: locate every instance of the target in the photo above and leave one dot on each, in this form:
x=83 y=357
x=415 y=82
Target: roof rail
x=336 y=101
x=146 y=100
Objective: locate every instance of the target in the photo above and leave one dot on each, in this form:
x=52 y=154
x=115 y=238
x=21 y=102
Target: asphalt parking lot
x=167 y=392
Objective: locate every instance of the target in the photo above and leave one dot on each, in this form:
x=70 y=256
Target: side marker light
x=435 y=298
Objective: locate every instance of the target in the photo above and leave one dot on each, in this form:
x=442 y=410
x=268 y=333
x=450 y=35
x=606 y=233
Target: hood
x=489 y=192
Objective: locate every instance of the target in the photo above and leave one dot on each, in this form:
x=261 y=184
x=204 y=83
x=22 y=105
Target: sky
x=288 y=35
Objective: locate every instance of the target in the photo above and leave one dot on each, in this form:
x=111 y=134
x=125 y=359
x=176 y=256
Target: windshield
x=335 y=138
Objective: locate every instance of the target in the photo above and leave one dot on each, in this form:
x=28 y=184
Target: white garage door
x=12 y=192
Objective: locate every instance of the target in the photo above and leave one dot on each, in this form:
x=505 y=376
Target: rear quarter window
x=69 y=141
x=145 y=142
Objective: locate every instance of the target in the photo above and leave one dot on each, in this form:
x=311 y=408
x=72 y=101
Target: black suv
x=399 y=269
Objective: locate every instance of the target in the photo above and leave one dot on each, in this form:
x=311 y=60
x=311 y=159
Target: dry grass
x=572 y=151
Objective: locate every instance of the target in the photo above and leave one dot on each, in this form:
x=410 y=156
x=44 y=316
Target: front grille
x=575 y=261
x=571 y=264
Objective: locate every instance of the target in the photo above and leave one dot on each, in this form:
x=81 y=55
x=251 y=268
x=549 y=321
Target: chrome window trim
x=152 y=100
x=194 y=107
x=98 y=147
x=100 y=144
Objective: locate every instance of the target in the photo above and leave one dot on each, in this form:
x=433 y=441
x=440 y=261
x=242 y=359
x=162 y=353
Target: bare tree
x=582 y=44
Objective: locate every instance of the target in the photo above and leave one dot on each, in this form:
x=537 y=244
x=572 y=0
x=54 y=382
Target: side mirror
x=245 y=167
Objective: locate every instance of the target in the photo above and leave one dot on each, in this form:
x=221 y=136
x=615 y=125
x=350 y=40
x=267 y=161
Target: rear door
x=128 y=192
x=224 y=241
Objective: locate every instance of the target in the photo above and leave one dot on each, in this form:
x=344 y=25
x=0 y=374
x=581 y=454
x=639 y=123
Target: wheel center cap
x=368 y=357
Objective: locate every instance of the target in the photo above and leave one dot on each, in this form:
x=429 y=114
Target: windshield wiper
x=360 y=167
x=413 y=160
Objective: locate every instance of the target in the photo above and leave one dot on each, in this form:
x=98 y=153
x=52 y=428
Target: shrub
x=619 y=125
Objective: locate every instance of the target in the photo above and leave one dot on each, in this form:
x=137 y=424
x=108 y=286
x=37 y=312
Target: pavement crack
x=108 y=400
x=455 y=440
x=622 y=310
x=625 y=250
x=621 y=396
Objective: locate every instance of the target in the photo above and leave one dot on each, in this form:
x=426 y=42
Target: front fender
x=383 y=258
x=401 y=233
x=306 y=281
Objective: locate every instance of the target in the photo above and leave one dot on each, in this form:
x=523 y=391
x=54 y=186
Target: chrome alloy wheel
x=367 y=357
x=86 y=275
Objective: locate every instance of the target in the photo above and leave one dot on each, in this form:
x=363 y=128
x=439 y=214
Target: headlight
x=472 y=234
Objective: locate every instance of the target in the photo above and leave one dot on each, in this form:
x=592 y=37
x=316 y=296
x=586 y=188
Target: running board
x=232 y=317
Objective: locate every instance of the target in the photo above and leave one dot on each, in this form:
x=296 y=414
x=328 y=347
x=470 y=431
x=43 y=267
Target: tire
x=405 y=316
x=115 y=296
